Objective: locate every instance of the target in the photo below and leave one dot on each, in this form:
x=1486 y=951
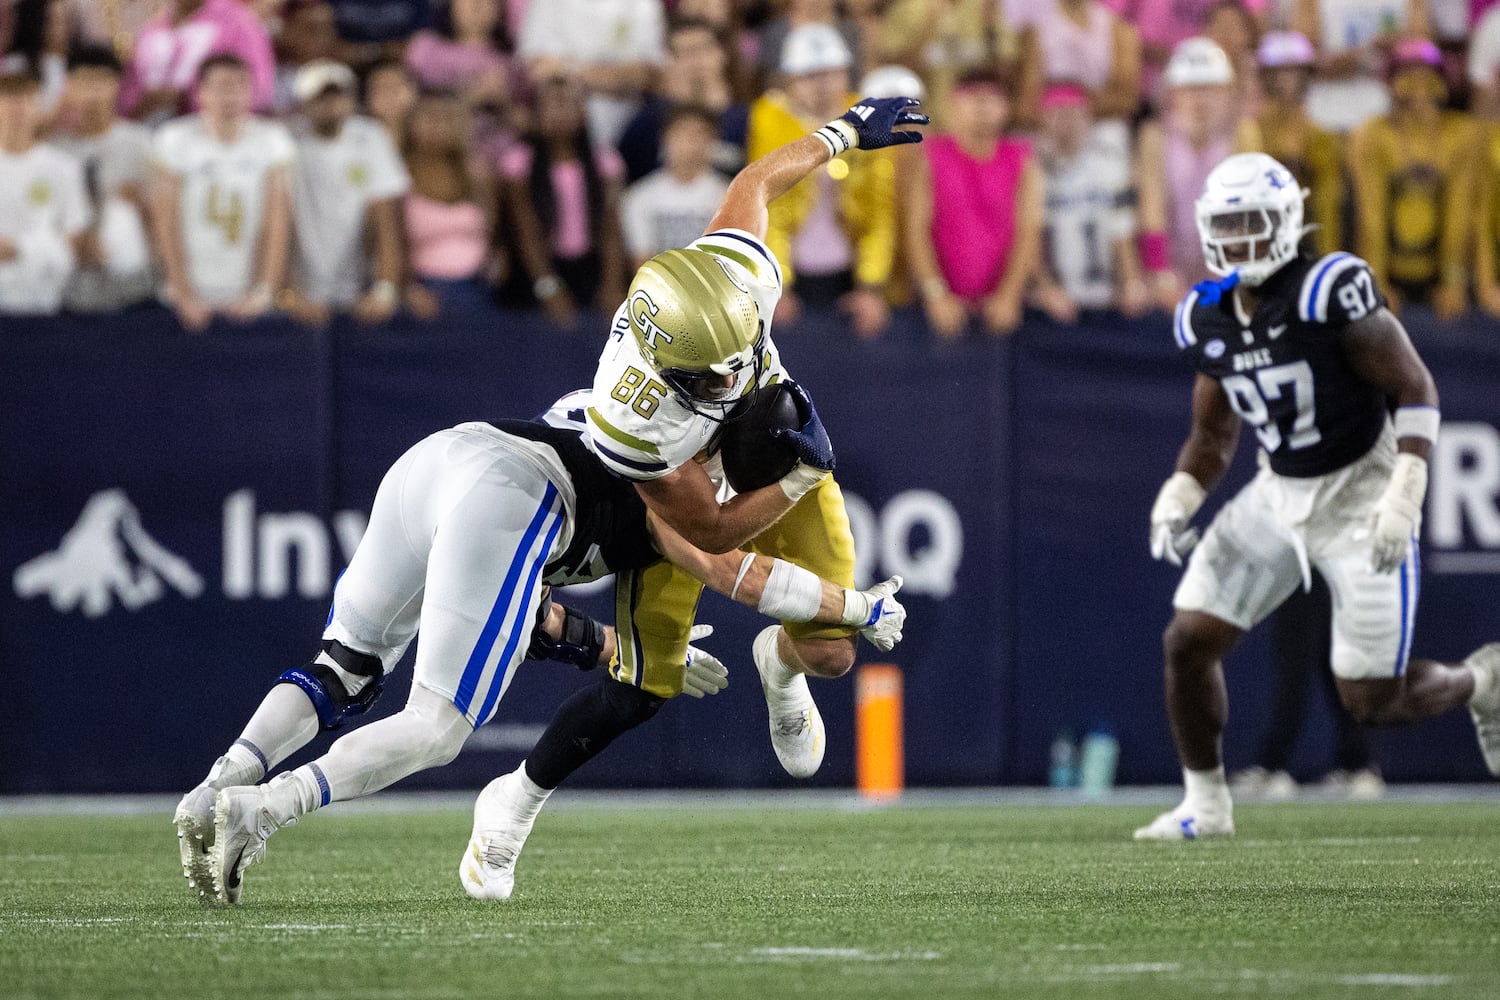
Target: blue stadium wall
x=227 y=476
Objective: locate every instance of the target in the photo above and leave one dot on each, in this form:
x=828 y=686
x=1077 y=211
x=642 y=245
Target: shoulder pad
x=1321 y=299
x=1182 y=322
x=743 y=249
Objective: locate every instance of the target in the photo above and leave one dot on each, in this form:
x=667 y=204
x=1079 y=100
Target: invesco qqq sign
x=108 y=557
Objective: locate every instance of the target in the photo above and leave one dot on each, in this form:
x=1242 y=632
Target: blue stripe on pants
x=474 y=669
x=517 y=628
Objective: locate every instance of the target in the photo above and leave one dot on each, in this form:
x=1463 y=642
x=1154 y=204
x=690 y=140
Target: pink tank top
x=974 y=211
x=1070 y=51
x=448 y=239
x=1187 y=169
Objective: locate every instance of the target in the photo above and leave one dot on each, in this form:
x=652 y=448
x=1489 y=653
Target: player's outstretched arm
x=873 y=123
x=1382 y=354
x=787 y=592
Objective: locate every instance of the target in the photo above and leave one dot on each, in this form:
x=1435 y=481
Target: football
x=752 y=456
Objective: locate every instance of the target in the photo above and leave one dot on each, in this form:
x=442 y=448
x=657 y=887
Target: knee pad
x=628 y=705
x=323 y=681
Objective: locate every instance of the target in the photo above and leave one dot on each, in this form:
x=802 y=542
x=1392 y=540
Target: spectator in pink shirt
x=564 y=196
x=173 y=46
x=449 y=211
x=974 y=212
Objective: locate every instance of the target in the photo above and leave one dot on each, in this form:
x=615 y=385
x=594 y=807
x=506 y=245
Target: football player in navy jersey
x=1304 y=351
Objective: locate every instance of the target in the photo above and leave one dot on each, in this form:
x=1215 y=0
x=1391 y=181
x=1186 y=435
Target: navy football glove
x=871 y=124
x=810 y=443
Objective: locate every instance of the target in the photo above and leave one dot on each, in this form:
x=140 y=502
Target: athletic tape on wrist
x=857 y=608
x=1418 y=422
x=791 y=594
x=838 y=137
x=799 y=481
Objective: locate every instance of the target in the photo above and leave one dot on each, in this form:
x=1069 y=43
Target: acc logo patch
x=1214 y=349
x=39 y=193
x=358 y=175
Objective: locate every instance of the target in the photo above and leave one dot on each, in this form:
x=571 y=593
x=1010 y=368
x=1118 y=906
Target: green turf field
x=1353 y=901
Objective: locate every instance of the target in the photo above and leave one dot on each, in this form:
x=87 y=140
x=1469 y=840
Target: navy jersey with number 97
x=1284 y=369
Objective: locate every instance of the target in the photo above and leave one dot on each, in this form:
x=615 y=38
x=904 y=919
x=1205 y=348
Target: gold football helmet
x=700 y=328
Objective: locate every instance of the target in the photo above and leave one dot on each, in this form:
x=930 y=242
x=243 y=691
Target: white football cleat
x=488 y=868
x=1485 y=708
x=194 y=820
x=243 y=823
x=1189 y=823
x=796 y=726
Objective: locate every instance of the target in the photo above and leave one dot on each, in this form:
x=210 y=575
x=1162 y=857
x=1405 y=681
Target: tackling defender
x=690 y=344
x=466 y=530
x=1305 y=351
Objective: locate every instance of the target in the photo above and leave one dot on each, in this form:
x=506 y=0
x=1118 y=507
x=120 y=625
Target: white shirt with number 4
x=637 y=426
x=222 y=199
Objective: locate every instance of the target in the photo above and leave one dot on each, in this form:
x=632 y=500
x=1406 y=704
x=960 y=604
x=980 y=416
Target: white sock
x=240 y=765
x=295 y=793
x=429 y=731
x=767 y=648
x=285 y=722
x=529 y=796
x=1206 y=788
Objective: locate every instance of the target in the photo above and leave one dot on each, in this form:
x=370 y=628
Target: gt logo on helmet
x=641 y=310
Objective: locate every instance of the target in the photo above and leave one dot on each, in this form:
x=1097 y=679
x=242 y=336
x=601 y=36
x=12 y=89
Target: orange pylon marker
x=879 y=754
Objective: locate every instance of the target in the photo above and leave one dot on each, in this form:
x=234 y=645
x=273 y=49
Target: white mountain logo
x=106 y=556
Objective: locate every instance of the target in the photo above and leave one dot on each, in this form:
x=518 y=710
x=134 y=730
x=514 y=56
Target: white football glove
x=703 y=673
x=1398 y=513
x=876 y=613
x=1178 y=501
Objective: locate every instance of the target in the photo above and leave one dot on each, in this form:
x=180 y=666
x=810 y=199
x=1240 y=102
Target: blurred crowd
x=313 y=157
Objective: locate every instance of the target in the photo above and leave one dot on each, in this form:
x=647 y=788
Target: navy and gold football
x=752 y=456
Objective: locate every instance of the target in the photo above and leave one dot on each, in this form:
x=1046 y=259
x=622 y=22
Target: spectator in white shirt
x=672 y=206
x=44 y=210
x=347 y=186
x=221 y=202
x=613 y=47
x=1090 y=260
x=114 y=264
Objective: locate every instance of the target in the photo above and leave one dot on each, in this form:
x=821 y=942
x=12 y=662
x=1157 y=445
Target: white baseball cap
x=320 y=75
x=813 y=48
x=1198 y=62
x=892 y=81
